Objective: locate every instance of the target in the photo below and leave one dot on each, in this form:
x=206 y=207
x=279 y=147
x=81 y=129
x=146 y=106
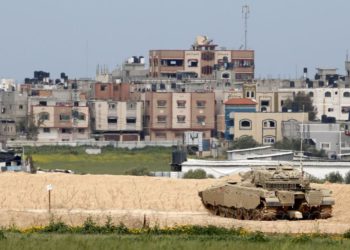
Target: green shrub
x=314 y=179
x=56 y=227
x=347 y=178
x=347 y=234
x=257 y=237
x=2 y=235
x=244 y=142
x=138 y=172
x=334 y=177
x=195 y=174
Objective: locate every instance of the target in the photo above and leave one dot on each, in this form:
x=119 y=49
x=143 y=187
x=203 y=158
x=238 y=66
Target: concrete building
x=7 y=85
x=333 y=138
x=111 y=91
x=61 y=121
x=168 y=115
x=233 y=106
x=264 y=127
x=116 y=120
x=202 y=61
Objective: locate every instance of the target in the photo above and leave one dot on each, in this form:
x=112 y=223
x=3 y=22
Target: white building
x=8 y=84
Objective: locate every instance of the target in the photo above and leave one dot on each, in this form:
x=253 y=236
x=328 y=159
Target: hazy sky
x=73 y=36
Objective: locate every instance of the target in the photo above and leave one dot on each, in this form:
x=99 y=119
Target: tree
x=347 y=177
x=244 y=142
x=334 y=177
x=294 y=144
x=301 y=102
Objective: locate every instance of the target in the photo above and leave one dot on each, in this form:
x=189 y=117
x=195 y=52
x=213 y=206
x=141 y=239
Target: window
x=20 y=107
x=311 y=94
x=46 y=130
x=269 y=124
x=81 y=130
x=263 y=109
x=207 y=70
x=325 y=145
x=103 y=87
x=76 y=104
x=245 y=124
x=64 y=117
x=43 y=103
x=269 y=140
x=225 y=75
x=208 y=56
x=161 y=135
x=181 y=119
x=181 y=104
x=201 y=120
x=192 y=63
x=131 y=105
x=201 y=104
x=252 y=94
x=44 y=116
x=112 y=119
x=161 y=103
x=130 y=120
x=161 y=119
x=345 y=109
x=179 y=135
x=66 y=131
x=248 y=94
x=328 y=94
x=81 y=116
x=112 y=106
x=346 y=94
x=330 y=109
x=265 y=103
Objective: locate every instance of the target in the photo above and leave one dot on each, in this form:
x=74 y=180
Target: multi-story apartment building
x=61 y=121
x=264 y=127
x=59 y=113
x=168 y=115
x=202 y=61
x=116 y=120
x=111 y=91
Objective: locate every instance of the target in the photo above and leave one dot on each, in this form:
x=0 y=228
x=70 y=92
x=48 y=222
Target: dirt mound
x=132 y=200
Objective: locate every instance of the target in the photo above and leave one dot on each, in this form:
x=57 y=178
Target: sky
x=73 y=36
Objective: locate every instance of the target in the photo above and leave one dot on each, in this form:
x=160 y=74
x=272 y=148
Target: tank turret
x=269 y=193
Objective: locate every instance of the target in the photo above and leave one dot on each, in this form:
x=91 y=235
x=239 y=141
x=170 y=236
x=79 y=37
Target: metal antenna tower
x=245 y=13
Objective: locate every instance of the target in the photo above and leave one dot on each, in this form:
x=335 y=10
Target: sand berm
x=136 y=201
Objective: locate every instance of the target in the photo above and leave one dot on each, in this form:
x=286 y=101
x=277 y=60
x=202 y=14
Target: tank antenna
x=301 y=144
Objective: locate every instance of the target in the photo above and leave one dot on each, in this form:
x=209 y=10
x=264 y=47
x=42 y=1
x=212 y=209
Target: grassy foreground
x=110 y=161
x=90 y=235
x=125 y=242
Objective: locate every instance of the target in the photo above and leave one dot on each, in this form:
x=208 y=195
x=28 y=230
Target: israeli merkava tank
x=269 y=193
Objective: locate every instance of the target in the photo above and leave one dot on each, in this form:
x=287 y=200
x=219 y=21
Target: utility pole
x=245 y=14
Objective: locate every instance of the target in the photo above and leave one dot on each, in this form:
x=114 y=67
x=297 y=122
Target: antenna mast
x=245 y=13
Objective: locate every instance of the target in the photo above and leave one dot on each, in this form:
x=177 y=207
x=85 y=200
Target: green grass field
x=111 y=161
x=38 y=241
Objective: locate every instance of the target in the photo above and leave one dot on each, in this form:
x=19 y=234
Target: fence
x=91 y=143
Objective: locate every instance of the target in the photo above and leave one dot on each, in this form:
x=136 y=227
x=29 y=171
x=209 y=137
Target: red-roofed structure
x=240 y=101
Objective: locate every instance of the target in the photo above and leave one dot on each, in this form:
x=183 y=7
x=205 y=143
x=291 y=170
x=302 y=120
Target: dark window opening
x=112 y=120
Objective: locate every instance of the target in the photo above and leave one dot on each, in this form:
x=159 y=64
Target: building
x=333 y=138
x=7 y=84
x=232 y=106
x=116 y=120
x=169 y=114
x=111 y=91
x=264 y=127
x=202 y=61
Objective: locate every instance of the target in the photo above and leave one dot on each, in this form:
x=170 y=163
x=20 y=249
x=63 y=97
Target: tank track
x=267 y=213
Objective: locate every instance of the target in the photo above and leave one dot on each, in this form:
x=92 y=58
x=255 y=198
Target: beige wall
x=193 y=55
x=258 y=131
x=181 y=111
x=104 y=109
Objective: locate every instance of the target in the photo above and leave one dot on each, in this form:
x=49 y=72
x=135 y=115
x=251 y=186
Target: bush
x=347 y=234
x=244 y=142
x=334 y=177
x=195 y=174
x=347 y=178
x=138 y=172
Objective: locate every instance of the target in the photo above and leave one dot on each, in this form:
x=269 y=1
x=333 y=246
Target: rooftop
x=240 y=101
